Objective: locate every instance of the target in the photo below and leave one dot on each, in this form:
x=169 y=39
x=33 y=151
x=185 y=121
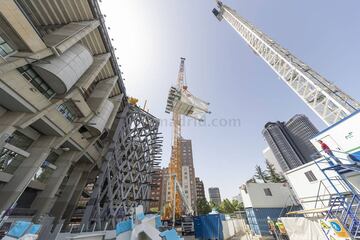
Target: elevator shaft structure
x=328 y=101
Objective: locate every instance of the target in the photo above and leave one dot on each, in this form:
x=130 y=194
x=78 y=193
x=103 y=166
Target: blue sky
x=151 y=36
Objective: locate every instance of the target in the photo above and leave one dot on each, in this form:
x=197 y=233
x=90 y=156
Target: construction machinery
x=180 y=102
x=328 y=101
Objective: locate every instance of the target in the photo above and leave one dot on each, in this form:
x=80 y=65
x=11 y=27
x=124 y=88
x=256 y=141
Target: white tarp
x=300 y=228
x=232 y=227
x=184 y=103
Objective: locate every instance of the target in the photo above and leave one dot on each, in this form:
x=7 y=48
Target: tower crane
x=328 y=101
x=180 y=102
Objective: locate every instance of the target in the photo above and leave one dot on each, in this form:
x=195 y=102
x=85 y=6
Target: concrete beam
x=68 y=35
x=20 y=59
x=89 y=76
x=101 y=92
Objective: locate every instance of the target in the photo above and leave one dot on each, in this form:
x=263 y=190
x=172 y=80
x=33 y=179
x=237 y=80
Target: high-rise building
x=214 y=195
x=156 y=189
x=165 y=188
x=187 y=182
x=188 y=172
x=290 y=141
x=200 y=190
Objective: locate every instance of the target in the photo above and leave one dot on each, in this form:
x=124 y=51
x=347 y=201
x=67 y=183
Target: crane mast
x=175 y=166
x=180 y=102
x=328 y=101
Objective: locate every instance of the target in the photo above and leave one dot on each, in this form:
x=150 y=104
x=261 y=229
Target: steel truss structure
x=124 y=181
x=329 y=102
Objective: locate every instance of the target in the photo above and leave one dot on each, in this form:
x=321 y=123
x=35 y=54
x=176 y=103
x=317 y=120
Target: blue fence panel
x=208 y=227
x=124 y=226
x=252 y=220
x=19 y=229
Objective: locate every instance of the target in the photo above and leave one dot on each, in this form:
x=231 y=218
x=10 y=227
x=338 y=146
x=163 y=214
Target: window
x=19 y=140
x=9 y=161
x=310 y=176
x=67 y=110
x=267 y=192
x=36 y=81
x=5 y=48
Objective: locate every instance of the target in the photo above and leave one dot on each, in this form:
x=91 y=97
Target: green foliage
x=239 y=206
x=229 y=207
x=203 y=207
x=273 y=176
x=261 y=174
x=268 y=175
x=213 y=205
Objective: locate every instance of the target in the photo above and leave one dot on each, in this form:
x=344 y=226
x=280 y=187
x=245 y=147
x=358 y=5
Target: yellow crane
x=180 y=102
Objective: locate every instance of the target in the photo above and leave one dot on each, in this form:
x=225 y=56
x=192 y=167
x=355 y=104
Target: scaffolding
x=124 y=181
x=342 y=200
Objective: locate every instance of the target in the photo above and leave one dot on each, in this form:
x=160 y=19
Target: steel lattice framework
x=124 y=181
x=329 y=102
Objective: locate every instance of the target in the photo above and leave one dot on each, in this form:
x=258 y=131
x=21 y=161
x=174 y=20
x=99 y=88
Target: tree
x=213 y=205
x=203 y=207
x=239 y=206
x=273 y=176
x=229 y=207
x=260 y=174
x=282 y=178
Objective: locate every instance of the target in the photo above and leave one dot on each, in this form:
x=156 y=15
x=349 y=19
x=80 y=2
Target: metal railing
x=344 y=204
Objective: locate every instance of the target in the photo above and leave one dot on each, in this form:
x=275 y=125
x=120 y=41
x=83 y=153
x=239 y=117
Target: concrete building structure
x=188 y=172
x=165 y=187
x=214 y=195
x=265 y=199
x=62 y=105
x=200 y=190
x=290 y=141
x=156 y=190
x=187 y=179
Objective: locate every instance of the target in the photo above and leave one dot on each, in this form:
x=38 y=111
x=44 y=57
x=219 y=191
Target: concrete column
x=45 y=200
x=12 y=190
x=21 y=25
x=75 y=198
x=70 y=187
x=7 y=122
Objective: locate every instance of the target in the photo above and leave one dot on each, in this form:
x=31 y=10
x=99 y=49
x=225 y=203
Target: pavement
x=236 y=237
x=190 y=237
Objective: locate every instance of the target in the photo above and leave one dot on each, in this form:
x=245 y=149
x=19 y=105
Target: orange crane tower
x=175 y=165
x=180 y=102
